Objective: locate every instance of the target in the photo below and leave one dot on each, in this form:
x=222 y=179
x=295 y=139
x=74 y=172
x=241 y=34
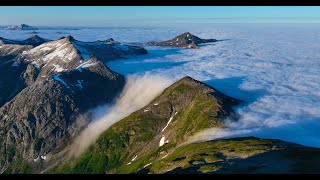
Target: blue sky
x=100 y=16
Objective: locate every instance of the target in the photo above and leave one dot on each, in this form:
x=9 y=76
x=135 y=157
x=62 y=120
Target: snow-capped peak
x=68 y=54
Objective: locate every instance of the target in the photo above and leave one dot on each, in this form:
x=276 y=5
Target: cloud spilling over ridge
x=275 y=69
x=138 y=92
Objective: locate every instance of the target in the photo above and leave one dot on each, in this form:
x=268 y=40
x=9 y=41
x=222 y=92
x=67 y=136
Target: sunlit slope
x=183 y=109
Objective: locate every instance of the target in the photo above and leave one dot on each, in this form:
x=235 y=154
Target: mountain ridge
x=54 y=79
x=163 y=124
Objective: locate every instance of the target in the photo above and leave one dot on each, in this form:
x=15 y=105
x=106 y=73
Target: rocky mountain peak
x=70 y=38
x=185 y=40
x=187 y=80
x=34 y=36
x=186 y=34
x=34 y=40
x=110 y=40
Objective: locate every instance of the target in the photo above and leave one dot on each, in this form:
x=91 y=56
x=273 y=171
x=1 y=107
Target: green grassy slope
x=191 y=105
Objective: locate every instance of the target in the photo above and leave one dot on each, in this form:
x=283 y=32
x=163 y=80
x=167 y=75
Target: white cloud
x=137 y=93
x=275 y=68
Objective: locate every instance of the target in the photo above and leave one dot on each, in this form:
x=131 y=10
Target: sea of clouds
x=273 y=68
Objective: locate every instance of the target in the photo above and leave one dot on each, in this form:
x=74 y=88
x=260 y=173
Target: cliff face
x=47 y=92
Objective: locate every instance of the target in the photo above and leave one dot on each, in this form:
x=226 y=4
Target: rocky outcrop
x=185 y=40
x=245 y=155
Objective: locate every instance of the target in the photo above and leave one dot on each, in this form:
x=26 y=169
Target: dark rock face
x=185 y=40
x=11 y=75
x=10 y=82
x=53 y=86
x=48 y=110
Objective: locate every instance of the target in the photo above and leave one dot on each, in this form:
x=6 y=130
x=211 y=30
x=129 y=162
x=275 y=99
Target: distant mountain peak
x=20 y=27
x=33 y=40
x=110 y=40
x=34 y=36
x=185 y=40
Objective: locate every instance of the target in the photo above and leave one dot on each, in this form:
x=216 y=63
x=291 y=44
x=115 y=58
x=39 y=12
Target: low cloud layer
x=137 y=93
x=273 y=68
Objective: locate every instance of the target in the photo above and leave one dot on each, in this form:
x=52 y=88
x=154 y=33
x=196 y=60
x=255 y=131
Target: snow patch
x=167 y=124
x=85 y=65
x=57 y=53
x=156 y=104
x=164 y=156
x=134 y=158
x=169 y=121
x=162 y=141
x=146 y=110
x=43 y=157
x=147 y=165
x=46 y=48
x=57 y=68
